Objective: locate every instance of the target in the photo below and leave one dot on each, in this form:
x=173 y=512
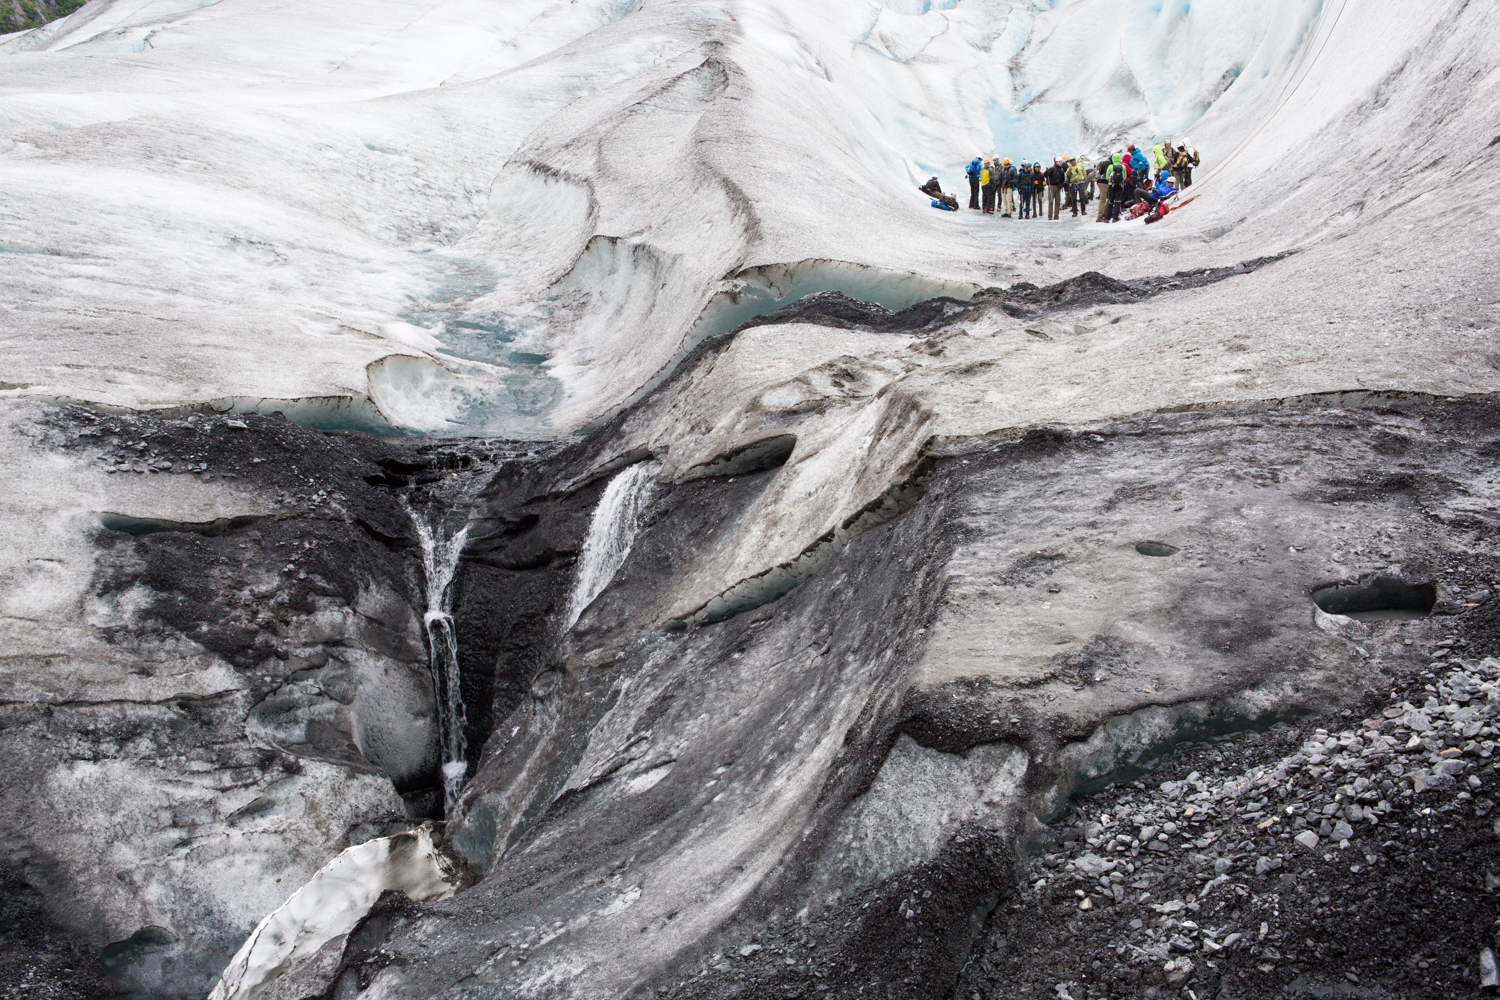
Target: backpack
x=1195 y=157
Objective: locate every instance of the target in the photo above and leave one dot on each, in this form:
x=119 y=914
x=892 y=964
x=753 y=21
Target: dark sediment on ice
x=602 y=755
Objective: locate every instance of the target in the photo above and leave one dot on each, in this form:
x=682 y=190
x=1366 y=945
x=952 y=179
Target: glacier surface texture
x=525 y=498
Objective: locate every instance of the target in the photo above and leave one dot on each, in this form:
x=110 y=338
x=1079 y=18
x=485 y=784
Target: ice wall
x=1033 y=80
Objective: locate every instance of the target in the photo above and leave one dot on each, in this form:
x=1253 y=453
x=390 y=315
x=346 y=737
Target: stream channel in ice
x=440 y=555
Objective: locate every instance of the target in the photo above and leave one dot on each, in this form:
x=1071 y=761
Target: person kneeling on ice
x=934 y=190
x=1162 y=192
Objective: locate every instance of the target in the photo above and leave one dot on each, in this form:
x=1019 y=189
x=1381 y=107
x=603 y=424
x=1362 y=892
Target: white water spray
x=611 y=534
x=440 y=555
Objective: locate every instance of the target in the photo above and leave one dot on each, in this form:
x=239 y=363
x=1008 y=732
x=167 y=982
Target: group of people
x=998 y=187
x=1131 y=182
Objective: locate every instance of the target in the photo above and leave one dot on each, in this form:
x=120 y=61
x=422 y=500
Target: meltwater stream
x=612 y=532
x=440 y=553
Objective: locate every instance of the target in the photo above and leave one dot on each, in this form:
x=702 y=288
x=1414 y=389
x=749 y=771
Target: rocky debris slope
x=1341 y=855
x=18 y=15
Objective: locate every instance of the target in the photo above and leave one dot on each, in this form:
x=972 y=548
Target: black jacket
x=1056 y=175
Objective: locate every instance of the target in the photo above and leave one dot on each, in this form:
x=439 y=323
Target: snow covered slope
x=509 y=217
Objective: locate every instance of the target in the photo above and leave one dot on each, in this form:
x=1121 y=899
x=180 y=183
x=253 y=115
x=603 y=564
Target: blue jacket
x=974 y=168
x=1165 y=189
x=1139 y=164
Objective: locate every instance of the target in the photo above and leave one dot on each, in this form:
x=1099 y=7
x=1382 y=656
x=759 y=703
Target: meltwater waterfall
x=440 y=553
x=612 y=532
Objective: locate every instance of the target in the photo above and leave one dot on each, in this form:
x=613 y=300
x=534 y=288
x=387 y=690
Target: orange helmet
x=1007 y=162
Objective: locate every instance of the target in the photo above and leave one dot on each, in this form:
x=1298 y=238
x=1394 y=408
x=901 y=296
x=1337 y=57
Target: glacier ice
x=469 y=218
x=331 y=903
x=478 y=219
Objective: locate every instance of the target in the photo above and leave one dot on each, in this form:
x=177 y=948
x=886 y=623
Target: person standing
x=1101 y=178
x=1007 y=189
x=1078 y=176
x=1023 y=185
x=989 y=178
x=973 y=171
x=1055 y=181
x=1118 y=185
x=1038 y=189
x=1192 y=161
x=1140 y=167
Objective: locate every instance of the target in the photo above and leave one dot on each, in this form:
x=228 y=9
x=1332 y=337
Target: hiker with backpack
x=989 y=180
x=1024 y=186
x=1187 y=156
x=1078 y=186
x=1118 y=187
x=973 y=169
